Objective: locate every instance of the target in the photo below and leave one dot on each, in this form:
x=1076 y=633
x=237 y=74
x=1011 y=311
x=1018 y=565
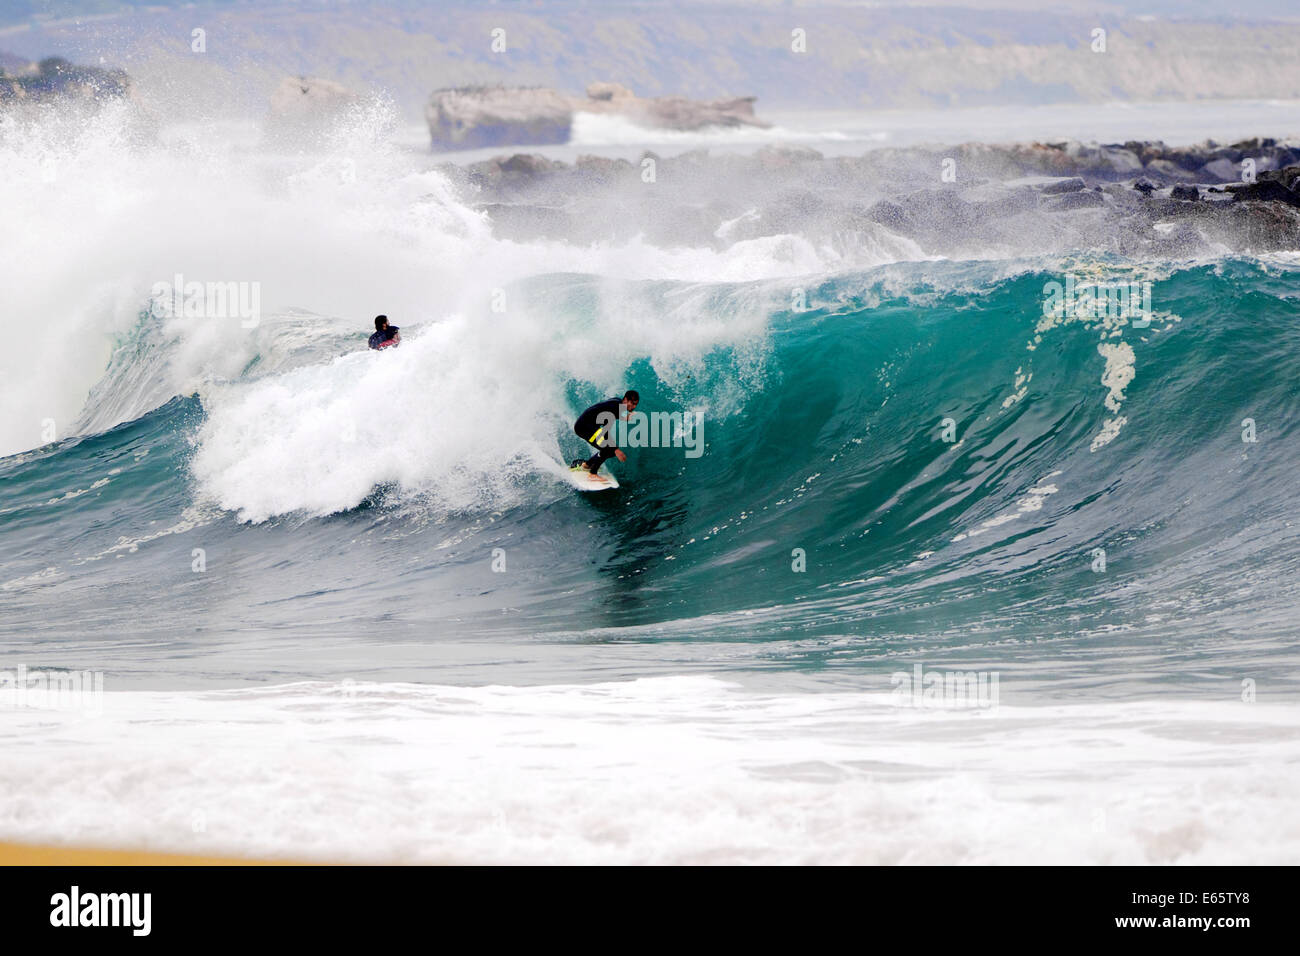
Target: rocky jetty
x=485 y=116
x=478 y=116
x=1131 y=198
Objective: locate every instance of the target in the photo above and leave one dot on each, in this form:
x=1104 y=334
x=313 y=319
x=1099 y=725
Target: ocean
x=951 y=576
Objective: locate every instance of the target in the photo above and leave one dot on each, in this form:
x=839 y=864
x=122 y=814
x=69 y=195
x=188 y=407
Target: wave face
x=920 y=461
x=281 y=548
x=918 y=458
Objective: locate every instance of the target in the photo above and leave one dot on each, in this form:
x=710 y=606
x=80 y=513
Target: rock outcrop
x=485 y=116
x=71 y=94
x=1279 y=185
x=668 y=112
x=306 y=109
x=478 y=116
x=1015 y=198
x=56 y=78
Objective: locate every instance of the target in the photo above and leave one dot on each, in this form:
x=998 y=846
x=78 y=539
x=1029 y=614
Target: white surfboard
x=584 y=480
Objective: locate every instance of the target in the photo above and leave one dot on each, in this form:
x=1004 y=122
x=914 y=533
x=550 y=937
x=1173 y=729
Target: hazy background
x=896 y=55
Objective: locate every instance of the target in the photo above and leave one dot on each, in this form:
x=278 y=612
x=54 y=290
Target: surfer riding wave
x=593 y=427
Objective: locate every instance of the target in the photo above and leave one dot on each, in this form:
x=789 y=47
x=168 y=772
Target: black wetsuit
x=383 y=335
x=594 y=429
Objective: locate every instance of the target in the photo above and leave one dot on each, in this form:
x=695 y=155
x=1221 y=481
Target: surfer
x=593 y=427
x=385 y=335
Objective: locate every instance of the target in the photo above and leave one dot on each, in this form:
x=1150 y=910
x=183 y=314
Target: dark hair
x=631 y=395
x=380 y=322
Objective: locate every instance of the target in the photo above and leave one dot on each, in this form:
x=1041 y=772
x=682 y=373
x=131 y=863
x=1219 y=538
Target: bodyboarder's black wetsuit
x=383 y=338
x=593 y=427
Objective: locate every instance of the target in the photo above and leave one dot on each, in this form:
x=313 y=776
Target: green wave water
x=919 y=463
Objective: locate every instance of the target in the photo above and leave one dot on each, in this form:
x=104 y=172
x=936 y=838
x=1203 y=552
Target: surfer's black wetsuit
x=590 y=427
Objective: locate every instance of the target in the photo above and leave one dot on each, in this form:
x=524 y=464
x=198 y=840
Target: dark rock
x=1076 y=200
x=478 y=116
x=1047 y=158
x=1003 y=199
x=1123 y=161
x=601 y=170
x=78 y=92
x=941 y=209
x=1168 y=171
x=528 y=164
x=1222 y=169
x=1071 y=185
x=1190 y=158
x=55 y=77
x=890 y=215
x=1282 y=185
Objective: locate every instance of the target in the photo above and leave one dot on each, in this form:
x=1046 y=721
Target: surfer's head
x=630 y=399
x=381 y=323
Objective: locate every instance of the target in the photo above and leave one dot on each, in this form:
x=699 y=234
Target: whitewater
x=346 y=608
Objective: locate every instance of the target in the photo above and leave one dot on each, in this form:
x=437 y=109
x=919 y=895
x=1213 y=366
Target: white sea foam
x=330 y=239
x=1118 y=375
x=104 y=220
x=663 y=770
x=461 y=411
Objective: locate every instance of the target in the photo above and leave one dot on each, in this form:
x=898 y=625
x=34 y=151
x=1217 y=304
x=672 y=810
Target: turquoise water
x=828 y=533
x=345 y=604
